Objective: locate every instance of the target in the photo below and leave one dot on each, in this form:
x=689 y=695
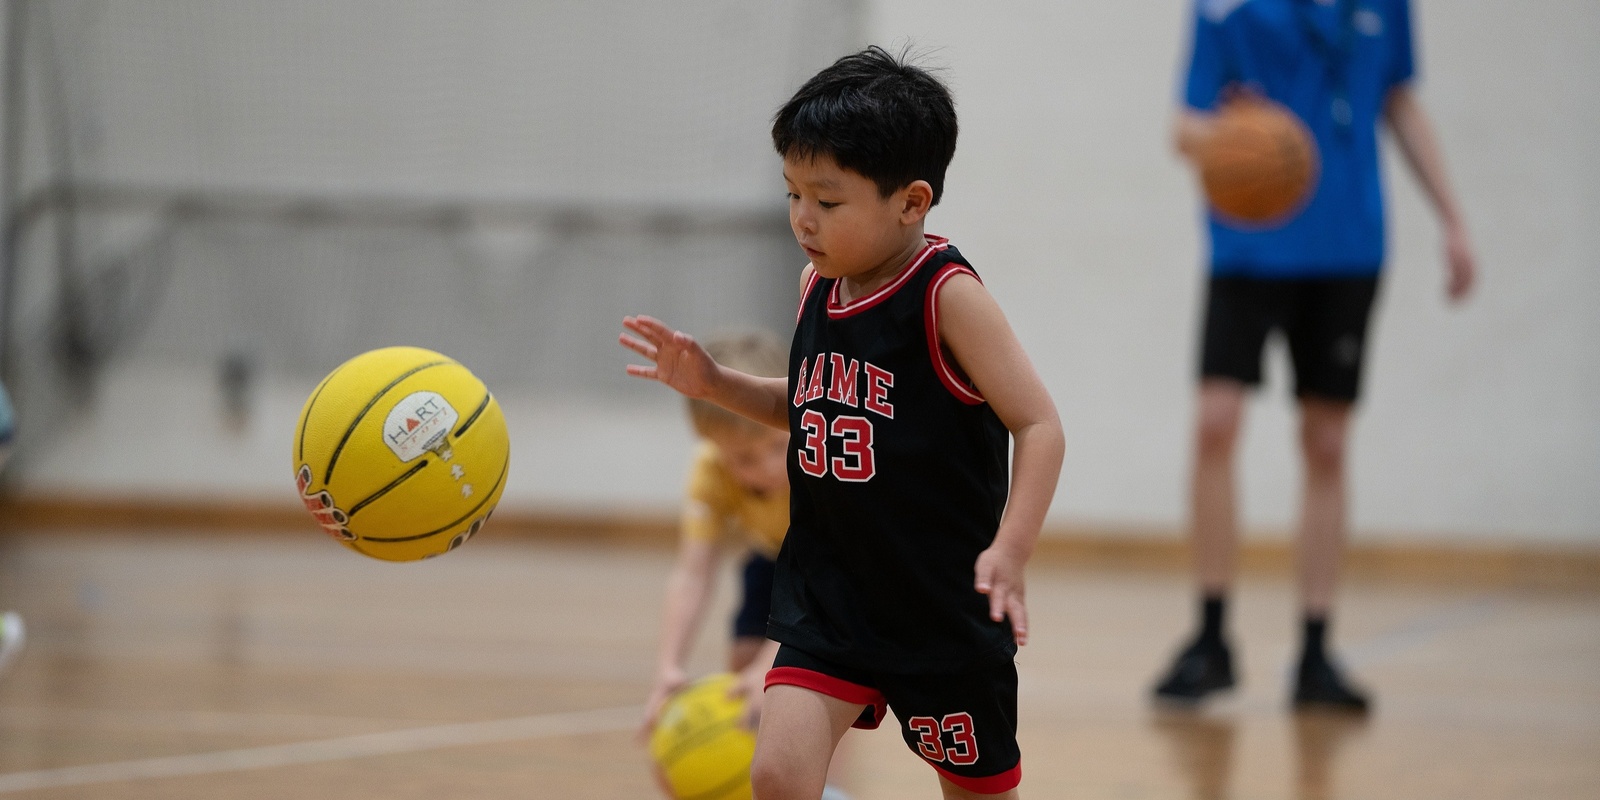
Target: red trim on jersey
x=837 y=688
x=952 y=380
x=992 y=784
x=806 y=292
x=837 y=310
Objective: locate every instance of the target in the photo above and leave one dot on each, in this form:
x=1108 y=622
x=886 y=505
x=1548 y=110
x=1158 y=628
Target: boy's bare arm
x=972 y=326
x=681 y=363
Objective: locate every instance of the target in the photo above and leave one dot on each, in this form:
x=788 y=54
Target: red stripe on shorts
x=992 y=784
x=837 y=688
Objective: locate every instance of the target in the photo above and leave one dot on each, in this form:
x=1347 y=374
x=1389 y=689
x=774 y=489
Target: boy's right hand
x=679 y=361
x=667 y=684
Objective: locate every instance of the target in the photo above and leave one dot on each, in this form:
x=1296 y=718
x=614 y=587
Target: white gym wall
x=1480 y=423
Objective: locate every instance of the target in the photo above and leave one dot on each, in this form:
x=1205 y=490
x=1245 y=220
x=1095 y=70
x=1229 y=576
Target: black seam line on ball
x=452 y=525
x=385 y=490
x=300 y=454
x=475 y=414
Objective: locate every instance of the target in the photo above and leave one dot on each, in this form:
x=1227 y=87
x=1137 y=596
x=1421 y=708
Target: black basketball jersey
x=898 y=475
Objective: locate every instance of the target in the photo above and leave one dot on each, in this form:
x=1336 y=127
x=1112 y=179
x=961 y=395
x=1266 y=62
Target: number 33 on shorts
x=963 y=747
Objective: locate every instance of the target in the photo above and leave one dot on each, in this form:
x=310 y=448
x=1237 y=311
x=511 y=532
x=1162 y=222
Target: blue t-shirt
x=1333 y=64
x=6 y=424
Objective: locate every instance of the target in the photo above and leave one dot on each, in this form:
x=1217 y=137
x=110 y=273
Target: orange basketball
x=1260 y=165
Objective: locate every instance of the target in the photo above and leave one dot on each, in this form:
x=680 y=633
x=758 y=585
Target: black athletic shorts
x=964 y=724
x=751 y=619
x=1324 y=320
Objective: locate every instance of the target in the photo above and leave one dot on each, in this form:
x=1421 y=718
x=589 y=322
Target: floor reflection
x=1318 y=738
x=1202 y=748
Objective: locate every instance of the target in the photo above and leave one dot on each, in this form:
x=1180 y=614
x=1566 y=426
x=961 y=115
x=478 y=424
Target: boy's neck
x=853 y=287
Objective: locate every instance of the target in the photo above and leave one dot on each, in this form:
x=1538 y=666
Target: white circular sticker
x=418 y=424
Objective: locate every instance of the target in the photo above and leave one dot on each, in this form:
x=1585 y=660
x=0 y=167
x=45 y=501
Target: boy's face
x=758 y=461
x=844 y=224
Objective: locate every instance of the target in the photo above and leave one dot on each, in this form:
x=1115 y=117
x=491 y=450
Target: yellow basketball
x=401 y=454
x=701 y=744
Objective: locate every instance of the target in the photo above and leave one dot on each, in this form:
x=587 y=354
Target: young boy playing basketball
x=900 y=583
x=738 y=484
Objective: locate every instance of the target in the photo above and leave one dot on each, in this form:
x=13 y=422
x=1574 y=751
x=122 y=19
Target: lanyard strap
x=1336 y=53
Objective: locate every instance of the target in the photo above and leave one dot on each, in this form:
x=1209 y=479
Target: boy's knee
x=771 y=778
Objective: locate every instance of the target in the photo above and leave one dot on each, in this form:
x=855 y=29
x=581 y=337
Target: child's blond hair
x=756 y=352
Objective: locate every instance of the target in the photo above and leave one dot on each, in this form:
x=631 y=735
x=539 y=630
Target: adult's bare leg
x=1324 y=528
x=1213 y=503
x=1324 y=443
x=1205 y=665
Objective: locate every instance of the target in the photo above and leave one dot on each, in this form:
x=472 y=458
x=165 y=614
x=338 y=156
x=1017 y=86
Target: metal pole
x=11 y=128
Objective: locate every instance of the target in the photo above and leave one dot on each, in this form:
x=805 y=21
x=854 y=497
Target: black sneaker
x=1202 y=668
x=1318 y=684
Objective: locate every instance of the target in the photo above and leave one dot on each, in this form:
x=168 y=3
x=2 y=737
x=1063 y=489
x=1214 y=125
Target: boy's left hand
x=678 y=360
x=999 y=575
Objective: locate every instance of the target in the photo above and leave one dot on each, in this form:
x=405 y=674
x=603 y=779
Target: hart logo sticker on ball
x=418 y=424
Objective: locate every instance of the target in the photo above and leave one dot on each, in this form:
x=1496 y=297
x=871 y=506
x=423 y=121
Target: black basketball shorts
x=751 y=618
x=964 y=724
x=1324 y=320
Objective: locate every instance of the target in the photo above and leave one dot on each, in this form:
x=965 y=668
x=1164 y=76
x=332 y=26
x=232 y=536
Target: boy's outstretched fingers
x=648 y=346
x=677 y=360
x=648 y=328
x=636 y=369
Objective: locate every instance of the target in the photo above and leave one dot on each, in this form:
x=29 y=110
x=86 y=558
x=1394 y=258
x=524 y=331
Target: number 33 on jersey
x=850 y=383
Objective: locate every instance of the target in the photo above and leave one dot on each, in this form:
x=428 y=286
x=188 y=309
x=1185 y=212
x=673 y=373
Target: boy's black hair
x=875 y=115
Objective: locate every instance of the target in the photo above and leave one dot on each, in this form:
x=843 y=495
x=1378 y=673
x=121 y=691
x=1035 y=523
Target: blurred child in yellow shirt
x=738 y=490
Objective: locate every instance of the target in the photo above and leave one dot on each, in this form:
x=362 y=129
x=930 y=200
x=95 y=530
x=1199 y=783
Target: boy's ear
x=918 y=198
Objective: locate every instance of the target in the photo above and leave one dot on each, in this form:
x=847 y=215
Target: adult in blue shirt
x=1342 y=66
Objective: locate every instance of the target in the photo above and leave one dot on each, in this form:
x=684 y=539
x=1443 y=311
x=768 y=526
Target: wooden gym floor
x=281 y=666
